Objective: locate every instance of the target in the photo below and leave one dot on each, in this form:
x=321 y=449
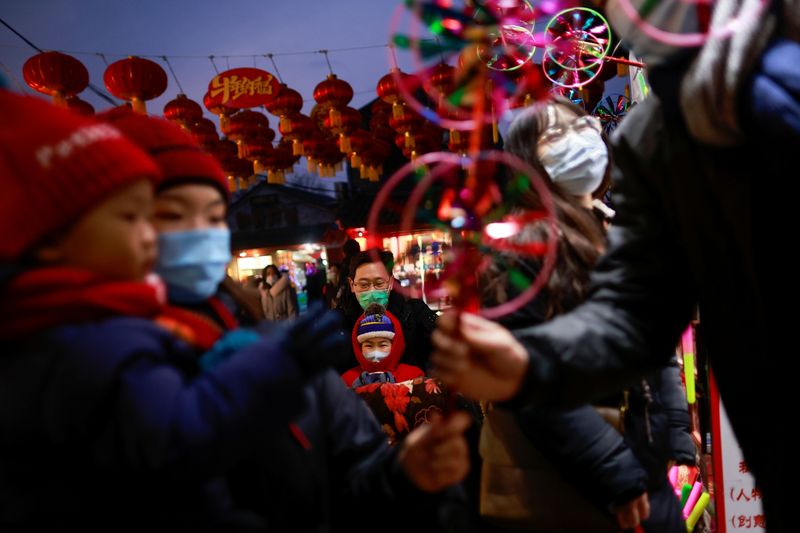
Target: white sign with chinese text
x=742 y=508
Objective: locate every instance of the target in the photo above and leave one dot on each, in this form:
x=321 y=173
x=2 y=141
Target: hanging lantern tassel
x=413 y=155
x=355 y=160
x=373 y=174
x=223 y=123
x=59 y=100
x=285 y=125
x=409 y=140
x=344 y=144
x=397 y=109
x=139 y=106
x=297 y=147
x=271 y=176
x=455 y=136
x=362 y=171
x=231 y=184
x=336 y=117
x=240 y=146
x=527 y=100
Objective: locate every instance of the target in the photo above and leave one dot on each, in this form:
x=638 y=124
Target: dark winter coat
x=109 y=426
x=695 y=225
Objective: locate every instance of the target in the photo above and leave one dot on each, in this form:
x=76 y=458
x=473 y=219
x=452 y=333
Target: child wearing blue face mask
x=290 y=480
x=193 y=237
x=106 y=421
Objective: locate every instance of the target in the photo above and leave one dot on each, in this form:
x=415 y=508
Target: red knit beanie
x=180 y=158
x=55 y=166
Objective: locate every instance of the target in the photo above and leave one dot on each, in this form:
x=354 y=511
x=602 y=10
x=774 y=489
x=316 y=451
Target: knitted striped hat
x=375 y=324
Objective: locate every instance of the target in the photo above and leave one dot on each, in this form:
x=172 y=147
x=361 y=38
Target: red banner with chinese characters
x=243 y=88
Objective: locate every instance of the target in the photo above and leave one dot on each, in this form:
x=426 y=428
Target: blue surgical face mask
x=192 y=263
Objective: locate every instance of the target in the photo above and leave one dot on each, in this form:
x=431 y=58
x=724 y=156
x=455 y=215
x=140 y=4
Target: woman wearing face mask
x=620 y=480
x=278 y=297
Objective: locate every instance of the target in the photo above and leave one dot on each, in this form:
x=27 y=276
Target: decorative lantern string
x=172 y=71
x=211 y=58
x=103 y=57
x=271 y=57
x=94 y=89
x=18 y=34
x=325 y=53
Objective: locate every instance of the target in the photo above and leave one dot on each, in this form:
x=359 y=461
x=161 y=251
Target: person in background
x=278 y=296
x=331 y=285
x=370 y=282
x=315 y=281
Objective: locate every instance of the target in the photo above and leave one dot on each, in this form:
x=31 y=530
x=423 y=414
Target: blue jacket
x=109 y=425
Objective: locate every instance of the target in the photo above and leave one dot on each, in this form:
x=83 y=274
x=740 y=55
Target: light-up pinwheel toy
x=611 y=110
x=473 y=196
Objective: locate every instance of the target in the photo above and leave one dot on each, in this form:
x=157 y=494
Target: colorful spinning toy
x=463 y=196
x=611 y=110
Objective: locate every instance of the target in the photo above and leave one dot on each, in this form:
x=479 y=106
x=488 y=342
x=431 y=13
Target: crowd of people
x=141 y=387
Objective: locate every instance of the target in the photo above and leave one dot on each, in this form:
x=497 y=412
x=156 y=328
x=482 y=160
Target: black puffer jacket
x=606 y=467
x=695 y=224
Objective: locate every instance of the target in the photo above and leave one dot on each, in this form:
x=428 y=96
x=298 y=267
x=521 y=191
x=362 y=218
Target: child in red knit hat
x=107 y=422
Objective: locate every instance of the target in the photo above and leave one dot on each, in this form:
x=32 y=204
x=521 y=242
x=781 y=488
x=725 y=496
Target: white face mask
x=271 y=280
x=575 y=161
x=375 y=356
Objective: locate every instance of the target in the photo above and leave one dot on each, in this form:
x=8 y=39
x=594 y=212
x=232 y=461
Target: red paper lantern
x=221 y=110
x=389 y=92
x=349 y=120
x=360 y=141
x=277 y=163
x=333 y=94
x=333 y=91
x=183 y=111
x=296 y=128
x=244 y=125
x=55 y=74
x=135 y=79
x=288 y=102
x=79 y=106
x=406 y=122
x=441 y=80
x=204 y=132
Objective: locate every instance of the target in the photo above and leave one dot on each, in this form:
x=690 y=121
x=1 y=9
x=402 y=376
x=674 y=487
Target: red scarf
x=47 y=297
x=43 y=298
x=195 y=328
